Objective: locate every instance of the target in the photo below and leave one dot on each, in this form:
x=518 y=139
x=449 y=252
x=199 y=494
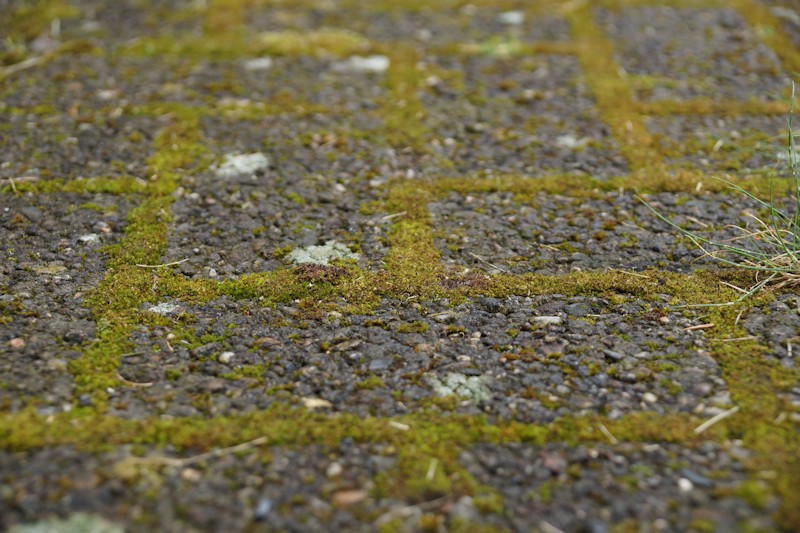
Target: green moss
x=612 y=91
x=544 y=492
x=489 y=502
x=323 y=42
x=401 y=110
x=122 y=185
x=30 y=19
x=702 y=526
x=296 y=198
x=417 y=326
x=370 y=383
x=173 y=374
x=255 y=372
x=754 y=492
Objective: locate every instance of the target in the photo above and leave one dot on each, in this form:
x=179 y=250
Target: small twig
x=699 y=326
x=734 y=287
x=550 y=247
x=484 y=261
x=394 y=215
x=164 y=265
x=225 y=451
x=735 y=322
x=399 y=425
x=549 y=528
x=735 y=339
x=604 y=430
x=172 y=461
x=23 y=65
x=432 y=469
x=629 y=273
x=134 y=383
x=698 y=222
x=402 y=512
x=13 y=187
x=711 y=421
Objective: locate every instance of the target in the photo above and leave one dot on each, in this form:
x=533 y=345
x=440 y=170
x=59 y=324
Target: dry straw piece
x=772 y=248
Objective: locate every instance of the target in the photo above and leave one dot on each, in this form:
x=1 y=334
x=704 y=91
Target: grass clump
x=770 y=248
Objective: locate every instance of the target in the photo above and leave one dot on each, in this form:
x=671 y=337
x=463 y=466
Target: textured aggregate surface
x=393 y=266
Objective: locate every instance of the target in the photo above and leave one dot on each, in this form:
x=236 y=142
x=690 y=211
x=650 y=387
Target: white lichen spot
x=468 y=387
x=89 y=238
x=83 y=522
x=511 y=18
x=373 y=64
x=236 y=165
x=571 y=142
x=258 y=63
x=547 y=320
x=164 y=308
x=322 y=255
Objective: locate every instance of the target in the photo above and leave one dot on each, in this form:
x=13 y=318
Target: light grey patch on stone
x=77 y=523
x=547 y=320
x=374 y=64
x=788 y=157
x=467 y=387
x=571 y=142
x=242 y=165
x=89 y=238
x=164 y=308
x=511 y=18
x=258 y=63
x=465 y=509
x=322 y=255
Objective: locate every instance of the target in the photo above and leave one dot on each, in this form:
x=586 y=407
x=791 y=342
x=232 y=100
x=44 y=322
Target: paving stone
x=108 y=144
x=51 y=259
x=716 y=143
x=518 y=115
x=495 y=356
x=690 y=53
x=543 y=485
x=495 y=233
x=286 y=129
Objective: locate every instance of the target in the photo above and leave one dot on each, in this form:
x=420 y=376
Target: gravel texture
x=518 y=115
x=195 y=396
x=693 y=53
x=555 y=234
x=663 y=487
x=51 y=257
x=528 y=359
x=718 y=144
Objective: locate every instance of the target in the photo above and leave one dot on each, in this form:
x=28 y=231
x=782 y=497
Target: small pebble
x=511 y=18
x=191 y=474
x=17 y=343
x=226 y=357
x=334 y=469
x=685 y=485
x=547 y=320
x=259 y=63
x=263 y=507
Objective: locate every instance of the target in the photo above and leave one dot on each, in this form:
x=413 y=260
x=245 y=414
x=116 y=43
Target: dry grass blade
x=771 y=249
